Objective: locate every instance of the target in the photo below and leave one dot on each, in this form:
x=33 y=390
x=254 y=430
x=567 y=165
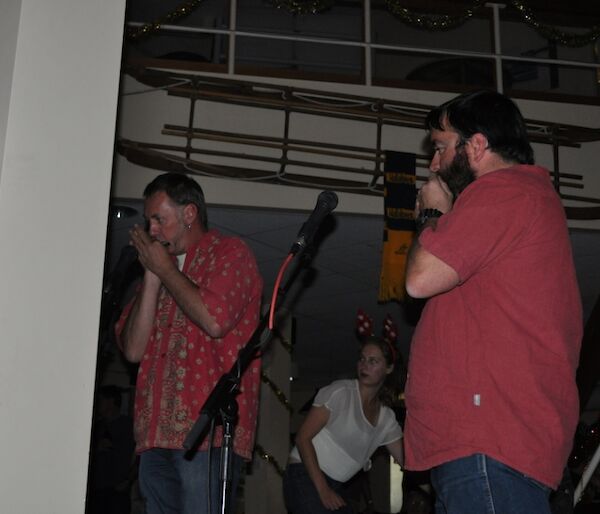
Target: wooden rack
x=312 y=156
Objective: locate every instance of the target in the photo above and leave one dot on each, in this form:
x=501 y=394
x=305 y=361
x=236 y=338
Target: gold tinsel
x=431 y=22
x=287 y=345
x=278 y=392
x=552 y=33
x=302 y=6
x=181 y=11
x=260 y=451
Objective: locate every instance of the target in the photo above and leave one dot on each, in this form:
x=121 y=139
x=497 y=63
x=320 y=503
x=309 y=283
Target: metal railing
x=367 y=46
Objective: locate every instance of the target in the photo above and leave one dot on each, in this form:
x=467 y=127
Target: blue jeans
x=301 y=496
x=481 y=485
x=172 y=484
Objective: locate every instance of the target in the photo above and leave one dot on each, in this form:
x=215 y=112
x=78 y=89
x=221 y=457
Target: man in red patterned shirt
x=198 y=304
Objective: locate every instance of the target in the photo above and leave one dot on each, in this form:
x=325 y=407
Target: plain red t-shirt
x=492 y=362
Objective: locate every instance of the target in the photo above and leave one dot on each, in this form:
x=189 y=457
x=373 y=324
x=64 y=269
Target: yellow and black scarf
x=398 y=233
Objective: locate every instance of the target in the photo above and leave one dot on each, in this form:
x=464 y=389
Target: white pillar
x=59 y=76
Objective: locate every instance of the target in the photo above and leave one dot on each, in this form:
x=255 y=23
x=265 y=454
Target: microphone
x=326 y=202
x=115 y=280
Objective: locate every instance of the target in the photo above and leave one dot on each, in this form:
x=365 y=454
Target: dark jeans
x=301 y=496
x=172 y=484
x=480 y=485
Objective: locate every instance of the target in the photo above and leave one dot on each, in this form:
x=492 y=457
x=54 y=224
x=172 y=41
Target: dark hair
x=491 y=114
x=182 y=190
x=392 y=387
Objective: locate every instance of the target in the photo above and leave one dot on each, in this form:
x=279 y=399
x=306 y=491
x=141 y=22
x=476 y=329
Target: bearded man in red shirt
x=491 y=397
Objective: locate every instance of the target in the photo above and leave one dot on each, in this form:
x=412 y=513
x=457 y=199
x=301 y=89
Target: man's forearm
x=426 y=275
x=140 y=321
x=415 y=255
x=186 y=295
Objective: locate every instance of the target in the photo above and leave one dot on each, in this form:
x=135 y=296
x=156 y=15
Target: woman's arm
x=396 y=449
x=315 y=420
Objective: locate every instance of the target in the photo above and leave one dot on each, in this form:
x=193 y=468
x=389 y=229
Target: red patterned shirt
x=182 y=363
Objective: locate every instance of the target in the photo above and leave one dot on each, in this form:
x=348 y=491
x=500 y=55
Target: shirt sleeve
x=231 y=284
x=486 y=221
x=329 y=396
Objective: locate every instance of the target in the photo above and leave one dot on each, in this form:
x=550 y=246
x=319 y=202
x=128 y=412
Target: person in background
x=112 y=455
x=348 y=421
x=197 y=305
x=491 y=399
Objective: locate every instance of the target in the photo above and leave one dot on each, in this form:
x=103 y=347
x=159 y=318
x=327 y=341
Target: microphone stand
x=222 y=400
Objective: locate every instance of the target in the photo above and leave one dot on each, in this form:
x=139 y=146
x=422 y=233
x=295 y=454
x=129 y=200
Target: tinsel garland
x=279 y=394
x=302 y=6
x=181 y=11
x=431 y=22
x=260 y=451
x=552 y=33
x=444 y=22
x=287 y=345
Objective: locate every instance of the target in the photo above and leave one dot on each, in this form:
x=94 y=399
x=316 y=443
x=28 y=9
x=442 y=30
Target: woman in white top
x=348 y=421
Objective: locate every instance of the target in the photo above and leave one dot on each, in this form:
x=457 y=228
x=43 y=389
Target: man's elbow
x=423 y=285
x=215 y=330
x=130 y=351
x=131 y=355
x=417 y=286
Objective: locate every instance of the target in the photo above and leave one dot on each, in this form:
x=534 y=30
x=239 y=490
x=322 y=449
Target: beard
x=458 y=174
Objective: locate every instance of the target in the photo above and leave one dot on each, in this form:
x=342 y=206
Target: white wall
x=59 y=75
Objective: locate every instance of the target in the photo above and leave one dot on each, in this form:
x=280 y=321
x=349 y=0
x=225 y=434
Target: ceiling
x=346 y=268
